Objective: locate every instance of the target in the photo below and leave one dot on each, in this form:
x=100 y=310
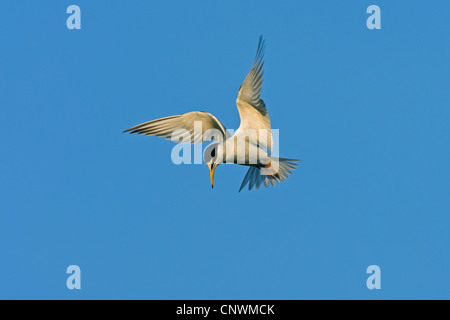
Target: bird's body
x=249 y=145
x=238 y=150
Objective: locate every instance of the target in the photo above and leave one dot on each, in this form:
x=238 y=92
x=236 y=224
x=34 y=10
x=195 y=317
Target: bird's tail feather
x=278 y=170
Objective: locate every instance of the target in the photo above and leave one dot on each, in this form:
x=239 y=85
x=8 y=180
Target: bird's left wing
x=252 y=109
x=193 y=125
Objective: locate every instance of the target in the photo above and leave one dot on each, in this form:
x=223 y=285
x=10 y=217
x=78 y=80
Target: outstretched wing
x=252 y=109
x=195 y=124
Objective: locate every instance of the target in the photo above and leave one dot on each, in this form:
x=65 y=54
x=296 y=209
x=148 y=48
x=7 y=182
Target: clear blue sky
x=367 y=111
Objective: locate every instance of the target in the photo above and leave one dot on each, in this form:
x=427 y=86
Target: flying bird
x=250 y=145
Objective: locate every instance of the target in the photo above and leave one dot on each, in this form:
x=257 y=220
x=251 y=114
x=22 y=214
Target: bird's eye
x=213 y=152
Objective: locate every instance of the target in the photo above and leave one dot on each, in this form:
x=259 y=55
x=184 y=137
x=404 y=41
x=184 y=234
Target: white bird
x=249 y=145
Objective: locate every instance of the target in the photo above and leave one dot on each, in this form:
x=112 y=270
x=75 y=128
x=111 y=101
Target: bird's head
x=210 y=156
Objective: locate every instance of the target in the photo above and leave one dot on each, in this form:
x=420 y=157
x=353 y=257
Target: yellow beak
x=211 y=173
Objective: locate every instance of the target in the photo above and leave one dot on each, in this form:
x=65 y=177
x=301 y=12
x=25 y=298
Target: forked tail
x=276 y=171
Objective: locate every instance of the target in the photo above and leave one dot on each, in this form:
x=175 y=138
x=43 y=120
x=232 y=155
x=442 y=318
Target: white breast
x=238 y=149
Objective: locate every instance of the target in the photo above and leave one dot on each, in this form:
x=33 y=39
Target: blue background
x=367 y=111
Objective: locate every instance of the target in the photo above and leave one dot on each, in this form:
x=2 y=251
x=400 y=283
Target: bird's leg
x=268 y=165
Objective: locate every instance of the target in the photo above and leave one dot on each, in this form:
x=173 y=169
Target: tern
x=250 y=145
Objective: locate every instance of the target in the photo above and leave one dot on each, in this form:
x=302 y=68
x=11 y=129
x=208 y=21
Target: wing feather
x=169 y=127
x=252 y=109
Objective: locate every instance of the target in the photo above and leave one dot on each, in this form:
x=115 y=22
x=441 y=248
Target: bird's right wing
x=252 y=109
x=193 y=125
